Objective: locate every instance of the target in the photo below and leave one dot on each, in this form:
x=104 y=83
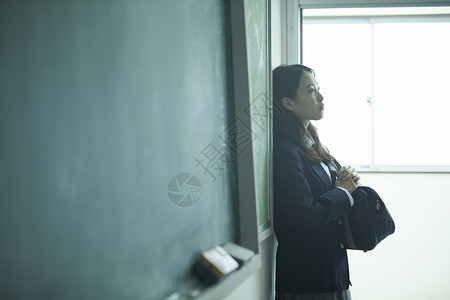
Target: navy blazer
x=308 y=223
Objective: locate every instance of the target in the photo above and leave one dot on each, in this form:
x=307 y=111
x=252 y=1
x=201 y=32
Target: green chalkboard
x=257 y=34
x=115 y=167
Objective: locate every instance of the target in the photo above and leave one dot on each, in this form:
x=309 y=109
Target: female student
x=311 y=194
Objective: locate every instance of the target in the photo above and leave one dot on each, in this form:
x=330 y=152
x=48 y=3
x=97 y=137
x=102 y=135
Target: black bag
x=368 y=222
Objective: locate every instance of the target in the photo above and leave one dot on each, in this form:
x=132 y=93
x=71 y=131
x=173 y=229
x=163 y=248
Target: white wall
x=414 y=262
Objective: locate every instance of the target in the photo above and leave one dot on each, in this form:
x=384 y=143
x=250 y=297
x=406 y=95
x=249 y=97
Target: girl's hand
x=348 y=179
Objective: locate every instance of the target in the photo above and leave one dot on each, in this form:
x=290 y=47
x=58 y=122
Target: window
x=385 y=79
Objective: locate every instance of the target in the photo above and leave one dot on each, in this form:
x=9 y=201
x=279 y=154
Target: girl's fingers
x=343 y=169
x=347 y=172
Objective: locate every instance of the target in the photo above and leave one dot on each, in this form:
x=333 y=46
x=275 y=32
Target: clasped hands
x=348 y=179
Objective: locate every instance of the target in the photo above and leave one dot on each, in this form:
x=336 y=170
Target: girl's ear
x=288 y=103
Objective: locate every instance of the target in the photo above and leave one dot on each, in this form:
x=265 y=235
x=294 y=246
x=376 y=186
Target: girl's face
x=308 y=102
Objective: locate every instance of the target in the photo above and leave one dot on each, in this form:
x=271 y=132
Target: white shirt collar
x=307 y=140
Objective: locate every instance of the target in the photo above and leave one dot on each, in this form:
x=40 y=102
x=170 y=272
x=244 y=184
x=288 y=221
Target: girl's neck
x=306 y=124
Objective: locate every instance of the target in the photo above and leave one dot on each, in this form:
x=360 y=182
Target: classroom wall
x=413 y=263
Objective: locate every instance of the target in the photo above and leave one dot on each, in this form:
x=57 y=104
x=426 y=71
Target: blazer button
x=342 y=245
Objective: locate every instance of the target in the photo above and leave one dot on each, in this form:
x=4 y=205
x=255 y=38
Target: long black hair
x=286 y=124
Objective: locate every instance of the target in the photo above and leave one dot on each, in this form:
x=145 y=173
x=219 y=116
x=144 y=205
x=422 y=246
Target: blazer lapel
x=320 y=172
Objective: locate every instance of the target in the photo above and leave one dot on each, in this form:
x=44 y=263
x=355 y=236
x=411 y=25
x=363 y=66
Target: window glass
x=385 y=83
x=340 y=55
x=412 y=97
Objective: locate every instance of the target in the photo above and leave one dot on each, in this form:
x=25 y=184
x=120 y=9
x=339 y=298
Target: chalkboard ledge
x=195 y=290
x=231 y=282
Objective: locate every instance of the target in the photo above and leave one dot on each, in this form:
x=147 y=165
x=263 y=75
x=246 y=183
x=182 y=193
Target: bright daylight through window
x=386 y=83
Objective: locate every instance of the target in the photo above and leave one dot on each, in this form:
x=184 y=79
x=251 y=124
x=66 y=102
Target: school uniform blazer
x=308 y=224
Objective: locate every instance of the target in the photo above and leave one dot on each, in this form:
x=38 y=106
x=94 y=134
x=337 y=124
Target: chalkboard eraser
x=239 y=253
x=213 y=265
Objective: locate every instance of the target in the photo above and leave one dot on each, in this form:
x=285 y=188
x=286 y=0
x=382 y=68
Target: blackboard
x=115 y=162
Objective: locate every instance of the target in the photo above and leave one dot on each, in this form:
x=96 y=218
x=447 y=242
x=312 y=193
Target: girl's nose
x=320 y=98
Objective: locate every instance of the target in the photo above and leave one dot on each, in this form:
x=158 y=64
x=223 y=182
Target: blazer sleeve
x=293 y=197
